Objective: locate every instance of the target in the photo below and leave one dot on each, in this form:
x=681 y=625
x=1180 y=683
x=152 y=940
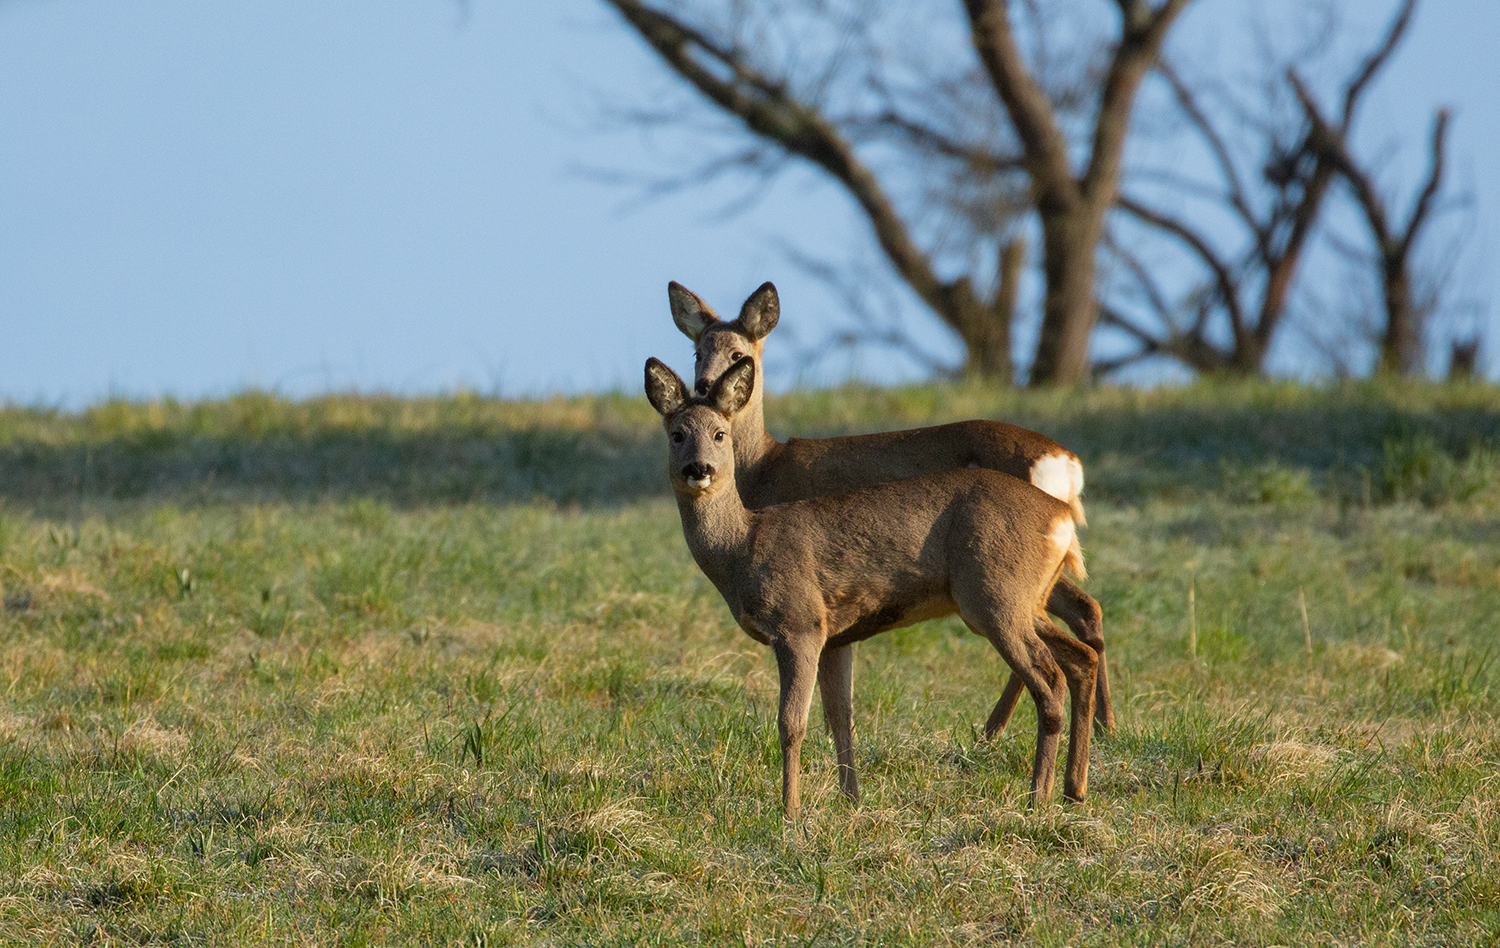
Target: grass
x=381 y=671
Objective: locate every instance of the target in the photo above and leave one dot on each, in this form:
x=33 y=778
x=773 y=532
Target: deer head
x=717 y=344
x=700 y=449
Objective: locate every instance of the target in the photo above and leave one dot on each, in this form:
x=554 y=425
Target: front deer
x=812 y=577
x=770 y=472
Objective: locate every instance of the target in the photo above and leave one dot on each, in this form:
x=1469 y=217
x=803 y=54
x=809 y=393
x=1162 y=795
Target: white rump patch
x=1057 y=474
x=1064 y=536
x=1063 y=533
x=1061 y=476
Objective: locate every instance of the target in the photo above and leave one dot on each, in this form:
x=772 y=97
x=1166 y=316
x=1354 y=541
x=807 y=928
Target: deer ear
x=664 y=390
x=734 y=387
x=761 y=311
x=689 y=312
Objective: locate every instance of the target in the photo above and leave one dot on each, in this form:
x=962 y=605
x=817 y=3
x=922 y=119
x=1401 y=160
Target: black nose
x=701 y=386
x=697 y=470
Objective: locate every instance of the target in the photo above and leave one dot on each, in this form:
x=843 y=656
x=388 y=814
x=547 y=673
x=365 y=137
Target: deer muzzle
x=698 y=474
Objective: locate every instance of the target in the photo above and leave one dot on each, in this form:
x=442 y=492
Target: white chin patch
x=700 y=482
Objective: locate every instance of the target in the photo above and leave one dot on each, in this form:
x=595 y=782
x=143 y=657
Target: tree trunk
x=1070 y=241
x=1071 y=208
x=1248 y=358
x=986 y=330
x=987 y=340
x=1401 y=348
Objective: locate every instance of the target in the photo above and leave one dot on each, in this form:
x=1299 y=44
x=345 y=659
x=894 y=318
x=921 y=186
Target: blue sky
x=305 y=195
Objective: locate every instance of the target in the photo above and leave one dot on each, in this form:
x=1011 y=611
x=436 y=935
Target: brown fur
x=809 y=578
x=770 y=472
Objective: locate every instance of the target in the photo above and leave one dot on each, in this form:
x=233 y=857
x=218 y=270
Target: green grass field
x=379 y=671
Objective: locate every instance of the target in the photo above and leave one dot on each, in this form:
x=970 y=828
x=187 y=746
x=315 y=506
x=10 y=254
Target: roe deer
x=811 y=577
x=769 y=472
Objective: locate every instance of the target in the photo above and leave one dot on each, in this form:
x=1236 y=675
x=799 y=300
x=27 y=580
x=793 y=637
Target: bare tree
x=1272 y=177
x=1401 y=348
x=1072 y=208
x=873 y=134
x=950 y=133
x=985 y=141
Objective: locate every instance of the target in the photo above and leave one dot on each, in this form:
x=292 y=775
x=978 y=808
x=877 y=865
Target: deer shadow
x=571 y=467
x=1132 y=451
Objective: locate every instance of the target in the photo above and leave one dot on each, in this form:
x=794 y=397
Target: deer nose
x=697 y=470
x=701 y=386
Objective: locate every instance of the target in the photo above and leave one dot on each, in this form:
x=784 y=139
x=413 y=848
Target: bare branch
x=1223 y=275
x=1405 y=313
x=1188 y=102
x=1180 y=184
x=1031 y=112
x=1150 y=345
x=892 y=338
x=1140 y=44
x=1149 y=286
x=976 y=157
x=853 y=287
x=757 y=159
x=1423 y=206
x=1187 y=348
x=1375 y=61
x=1281 y=266
x=1328 y=142
x=1102 y=368
x=769 y=109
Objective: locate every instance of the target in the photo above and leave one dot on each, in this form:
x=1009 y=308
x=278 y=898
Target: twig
x=1306 y=629
x=1192 y=621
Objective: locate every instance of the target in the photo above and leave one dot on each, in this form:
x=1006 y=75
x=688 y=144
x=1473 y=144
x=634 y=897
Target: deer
x=811 y=577
x=771 y=472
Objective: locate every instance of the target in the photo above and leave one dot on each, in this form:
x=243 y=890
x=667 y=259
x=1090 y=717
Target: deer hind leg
x=1005 y=707
x=1080 y=666
x=836 y=683
x=1017 y=642
x=797 y=663
x=1085 y=619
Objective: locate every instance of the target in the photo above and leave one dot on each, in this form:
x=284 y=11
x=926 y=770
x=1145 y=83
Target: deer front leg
x=836 y=682
x=797 y=662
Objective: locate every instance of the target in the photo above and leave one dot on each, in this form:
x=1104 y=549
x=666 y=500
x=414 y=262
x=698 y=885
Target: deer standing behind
x=810 y=578
x=769 y=472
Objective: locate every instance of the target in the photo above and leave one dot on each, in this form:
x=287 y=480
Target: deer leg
x=1046 y=684
x=836 y=682
x=1005 y=707
x=1080 y=666
x=1085 y=620
x=1017 y=642
x=797 y=662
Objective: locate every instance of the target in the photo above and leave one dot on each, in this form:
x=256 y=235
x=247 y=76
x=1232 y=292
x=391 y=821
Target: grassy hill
x=364 y=670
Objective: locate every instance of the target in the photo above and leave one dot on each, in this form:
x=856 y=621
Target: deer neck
x=717 y=529
x=753 y=445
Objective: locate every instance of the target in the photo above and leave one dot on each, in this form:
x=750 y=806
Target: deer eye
x=718 y=436
x=736 y=357
x=676 y=437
